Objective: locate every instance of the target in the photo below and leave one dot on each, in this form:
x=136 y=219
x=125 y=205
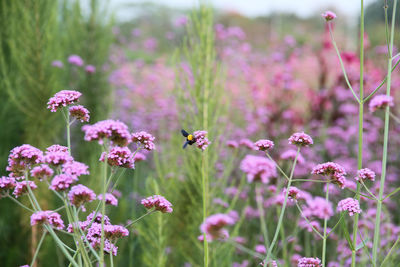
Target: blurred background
x=136 y=48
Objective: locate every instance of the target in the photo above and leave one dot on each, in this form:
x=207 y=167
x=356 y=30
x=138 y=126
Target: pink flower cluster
x=309 y=262
x=119 y=156
x=6 y=184
x=48 y=217
x=63 y=99
x=145 y=139
x=334 y=171
x=57 y=155
x=258 y=168
x=110 y=199
x=202 y=141
x=22 y=188
x=41 y=172
x=264 y=144
x=80 y=194
x=349 y=204
x=75 y=60
x=158 y=203
x=213 y=227
x=23 y=157
x=79 y=112
x=380 y=102
x=300 y=139
x=328 y=15
x=115 y=131
x=365 y=174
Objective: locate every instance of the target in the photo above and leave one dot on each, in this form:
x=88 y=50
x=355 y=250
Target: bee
x=190 y=139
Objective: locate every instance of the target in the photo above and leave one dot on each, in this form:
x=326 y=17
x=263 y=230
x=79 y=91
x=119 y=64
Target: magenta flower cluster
x=202 y=141
x=47 y=217
x=264 y=145
x=213 y=227
x=157 y=202
x=380 y=102
x=119 y=157
x=309 y=262
x=258 y=169
x=334 y=171
x=113 y=130
x=144 y=139
x=63 y=99
x=350 y=205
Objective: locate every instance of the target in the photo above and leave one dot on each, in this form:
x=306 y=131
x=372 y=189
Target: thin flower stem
x=336 y=225
x=103 y=210
x=366 y=248
x=385 y=141
x=271 y=247
x=309 y=180
x=355 y=191
x=277 y=166
x=262 y=215
x=369 y=191
x=308 y=221
x=141 y=217
x=341 y=63
x=394 y=117
x=392 y=193
x=325 y=227
x=390 y=252
x=205 y=197
x=246 y=250
x=38 y=248
x=20 y=204
x=68 y=129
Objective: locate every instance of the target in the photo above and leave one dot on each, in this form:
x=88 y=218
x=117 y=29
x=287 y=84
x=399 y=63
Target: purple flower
x=300 y=139
x=247 y=143
x=22 y=188
x=42 y=171
x=260 y=249
x=23 y=157
x=75 y=168
x=365 y=174
x=332 y=170
x=380 y=102
x=49 y=217
x=328 y=15
x=349 y=204
x=232 y=144
x=80 y=113
x=110 y=199
x=116 y=131
x=201 y=140
x=57 y=64
x=80 y=194
x=258 y=169
x=294 y=193
x=318 y=207
x=62 y=182
x=139 y=157
x=158 y=202
x=145 y=139
x=57 y=155
x=63 y=99
x=114 y=232
x=264 y=144
x=6 y=184
x=90 y=69
x=213 y=226
x=119 y=156
x=75 y=60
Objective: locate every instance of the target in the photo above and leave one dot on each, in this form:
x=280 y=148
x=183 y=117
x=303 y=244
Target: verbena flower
x=332 y=170
x=232 y=144
x=75 y=60
x=213 y=227
x=48 y=217
x=63 y=99
x=7 y=184
x=258 y=169
x=139 y=157
x=115 y=131
x=145 y=139
x=269 y=264
x=264 y=145
x=365 y=174
x=41 y=172
x=119 y=156
x=202 y=141
x=23 y=157
x=318 y=207
x=79 y=112
x=90 y=69
x=57 y=64
x=80 y=194
x=328 y=15
x=114 y=232
x=309 y=262
x=75 y=168
x=110 y=199
x=300 y=139
x=294 y=193
x=260 y=249
x=22 y=188
x=158 y=202
x=247 y=143
x=380 y=102
x=63 y=182
x=349 y=204
x=57 y=155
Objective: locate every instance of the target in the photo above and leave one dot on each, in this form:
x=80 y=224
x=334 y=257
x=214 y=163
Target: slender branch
x=38 y=248
x=20 y=204
x=305 y=218
x=277 y=166
x=141 y=217
x=392 y=193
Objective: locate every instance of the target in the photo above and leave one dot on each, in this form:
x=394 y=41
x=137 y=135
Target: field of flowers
x=198 y=138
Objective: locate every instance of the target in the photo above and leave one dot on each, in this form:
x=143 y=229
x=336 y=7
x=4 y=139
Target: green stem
x=325 y=227
x=271 y=247
x=205 y=189
x=308 y=221
x=262 y=215
x=38 y=248
x=385 y=142
x=278 y=167
x=20 y=204
x=390 y=252
x=141 y=217
x=103 y=208
x=392 y=193
x=68 y=130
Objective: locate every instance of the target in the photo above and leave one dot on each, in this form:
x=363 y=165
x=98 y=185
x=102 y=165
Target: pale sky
x=252 y=8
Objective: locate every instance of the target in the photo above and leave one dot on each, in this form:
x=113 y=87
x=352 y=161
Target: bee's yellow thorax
x=190 y=137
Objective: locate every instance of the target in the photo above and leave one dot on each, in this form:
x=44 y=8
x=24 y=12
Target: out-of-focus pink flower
x=213 y=227
x=158 y=202
x=57 y=64
x=90 y=69
x=264 y=145
x=300 y=139
x=365 y=174
x=22 y=188
x=144 y=138
x=116 y=131
x=110 y=199
x=201 y=140
x=328 y=15
x=380 y=102
x=75 y=60
x=258 y=168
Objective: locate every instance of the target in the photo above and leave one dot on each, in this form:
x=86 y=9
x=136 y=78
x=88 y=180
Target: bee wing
x=184 y=133
x=185 y=145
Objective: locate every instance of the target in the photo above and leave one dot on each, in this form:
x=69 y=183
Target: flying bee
x=190 y=139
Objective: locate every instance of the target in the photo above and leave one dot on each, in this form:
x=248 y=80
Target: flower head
x=139 y=157
x=119 y=156
x=145 y=139
x=110 y=199
x=114 y=232
x=258 y=168
x=57 y=64
x=264 y=145
x=90 y=69
x=202 y=141
x=6 y=184
x=332 y=170
x=213 y=226
x=79 y=112
x=57 y=155
x=63 y=99
x=380 y=102
x=232 y=144
x=365 y=174
x=158 y=202
x=349 y=204
x=62 y=182
x=328 y=15
x=294 y=193
x=75 y=60
x=80 y=194
x=47 y=216
x=22 y=188
x=42 y=171
x=75 y=168
x=23 y=157
x=300 y=139
x=309 y=262
x=116 y=131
